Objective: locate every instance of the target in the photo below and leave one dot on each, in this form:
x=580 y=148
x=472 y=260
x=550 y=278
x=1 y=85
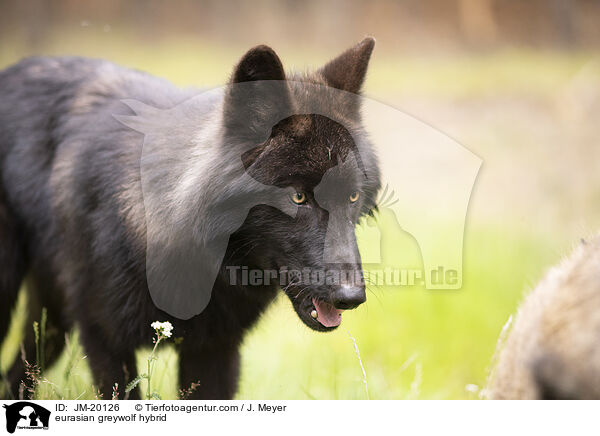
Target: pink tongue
x=328 y=315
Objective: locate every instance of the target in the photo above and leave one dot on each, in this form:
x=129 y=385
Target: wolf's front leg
x=214 y=369
x=110 y=365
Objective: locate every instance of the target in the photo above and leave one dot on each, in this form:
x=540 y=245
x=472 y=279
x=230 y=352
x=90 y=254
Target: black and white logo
x=26 y=415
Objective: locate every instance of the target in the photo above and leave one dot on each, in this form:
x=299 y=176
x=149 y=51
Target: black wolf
x=73 y=222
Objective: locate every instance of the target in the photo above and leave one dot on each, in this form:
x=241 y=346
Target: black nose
x=348 y=297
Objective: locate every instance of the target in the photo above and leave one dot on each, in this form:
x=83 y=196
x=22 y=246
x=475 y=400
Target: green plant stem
x=151 y=366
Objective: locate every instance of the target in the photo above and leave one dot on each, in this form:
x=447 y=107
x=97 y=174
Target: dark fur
x=72 y=214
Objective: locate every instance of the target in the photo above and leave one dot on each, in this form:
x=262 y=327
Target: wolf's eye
x=299 y=198
x=354 y=197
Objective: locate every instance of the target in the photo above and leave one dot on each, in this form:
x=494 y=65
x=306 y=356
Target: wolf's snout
x=348 y=297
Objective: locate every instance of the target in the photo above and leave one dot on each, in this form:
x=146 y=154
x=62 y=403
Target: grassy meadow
x=516 y=109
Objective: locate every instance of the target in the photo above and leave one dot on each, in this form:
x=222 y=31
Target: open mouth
x=317 y=314
x=326 y=314
x=321 y=307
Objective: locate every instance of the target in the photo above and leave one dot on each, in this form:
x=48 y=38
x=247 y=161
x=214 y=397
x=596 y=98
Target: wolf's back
x=553 y=349
x=58 y=133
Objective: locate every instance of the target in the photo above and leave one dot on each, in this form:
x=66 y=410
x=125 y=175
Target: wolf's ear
x=257 y=97
x=259 y=63
x=347 y=71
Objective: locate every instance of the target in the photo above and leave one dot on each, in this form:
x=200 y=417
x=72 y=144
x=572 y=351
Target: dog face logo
x=26 y=415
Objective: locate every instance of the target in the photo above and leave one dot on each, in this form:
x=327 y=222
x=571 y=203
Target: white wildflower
x=163 y=328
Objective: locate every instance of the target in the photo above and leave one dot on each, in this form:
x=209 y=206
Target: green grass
x=414 y=343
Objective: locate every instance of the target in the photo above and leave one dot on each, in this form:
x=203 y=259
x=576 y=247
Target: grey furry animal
x=553 y=349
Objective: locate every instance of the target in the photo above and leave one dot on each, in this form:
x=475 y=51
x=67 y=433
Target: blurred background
x=515 y=82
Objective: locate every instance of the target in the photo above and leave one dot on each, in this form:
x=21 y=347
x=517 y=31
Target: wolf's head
x=303 y=133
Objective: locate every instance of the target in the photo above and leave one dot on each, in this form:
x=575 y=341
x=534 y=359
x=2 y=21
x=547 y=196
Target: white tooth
x=314 y=314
